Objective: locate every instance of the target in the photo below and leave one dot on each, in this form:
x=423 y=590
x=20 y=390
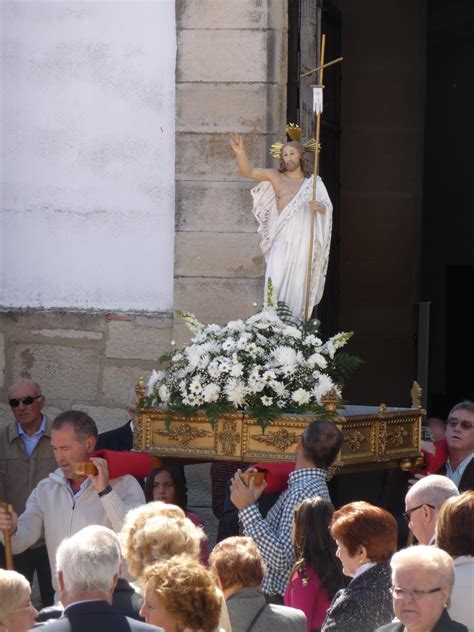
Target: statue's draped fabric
x=285 y=242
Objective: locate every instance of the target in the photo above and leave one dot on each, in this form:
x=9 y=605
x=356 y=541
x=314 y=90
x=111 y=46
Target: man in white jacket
x=64 y=503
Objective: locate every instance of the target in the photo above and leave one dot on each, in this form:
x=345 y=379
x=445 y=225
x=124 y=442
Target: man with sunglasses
x=460 y=439
x=423 y=502
x=26 y=457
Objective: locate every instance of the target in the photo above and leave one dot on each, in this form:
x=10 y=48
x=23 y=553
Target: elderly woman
x=154 y=532
x=422 y=579
x=17 y=614
x=157 y=532
x=366 y=538
x=239 y=569
x=455 y=535
x=180 y=594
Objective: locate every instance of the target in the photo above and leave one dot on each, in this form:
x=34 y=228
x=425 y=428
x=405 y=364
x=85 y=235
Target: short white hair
x=89 y=560
x=432 y=490
x=434 y=561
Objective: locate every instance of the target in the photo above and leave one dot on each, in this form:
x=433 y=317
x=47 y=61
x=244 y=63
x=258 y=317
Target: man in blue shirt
x=26 y=457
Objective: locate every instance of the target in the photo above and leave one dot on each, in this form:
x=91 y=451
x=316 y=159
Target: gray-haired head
x=434 y=561
x=24 y=381
x=88 y=562
x=432 y=490
x=465 y=405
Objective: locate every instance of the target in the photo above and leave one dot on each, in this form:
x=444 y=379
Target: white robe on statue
x=285 y=243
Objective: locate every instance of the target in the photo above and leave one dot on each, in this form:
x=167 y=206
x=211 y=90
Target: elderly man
x=316 y=450
x=423 y=502
x=460 y=439
x=26 y=457
x=88 y=566
x=66 y=502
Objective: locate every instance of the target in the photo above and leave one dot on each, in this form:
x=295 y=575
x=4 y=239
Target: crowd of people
x=112 y=551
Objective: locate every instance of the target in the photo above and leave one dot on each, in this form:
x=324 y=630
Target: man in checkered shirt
x=316 y=450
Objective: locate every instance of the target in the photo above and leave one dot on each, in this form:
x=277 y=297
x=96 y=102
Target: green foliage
x=343 y=366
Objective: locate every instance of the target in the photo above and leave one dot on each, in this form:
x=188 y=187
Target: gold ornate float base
x=373 y=437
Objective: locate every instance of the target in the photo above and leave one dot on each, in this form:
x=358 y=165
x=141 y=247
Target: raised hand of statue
x=237 y=142
x=317 y=207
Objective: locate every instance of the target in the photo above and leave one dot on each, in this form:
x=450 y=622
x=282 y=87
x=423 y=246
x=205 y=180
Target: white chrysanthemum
x=312 y=341
x=199 y=400
x=317 y=359
x=199 y=338
x=323 y=386
x=267 y=401
x=292 y=332
x=301 y=396
x=164 y=393
x=155 y=377
x=193 y=353
x=195 y=386
x=211 y=346
x=214 y=370
x=237 y=370
x=213 y=328
x=251 y=348
x=284 y=356
x=268 y=376
x=204 y=361
x=228 y=345
x=211 y=393
x=236 y=392
x=265 y=317
x=279 y=389
x=235 y=325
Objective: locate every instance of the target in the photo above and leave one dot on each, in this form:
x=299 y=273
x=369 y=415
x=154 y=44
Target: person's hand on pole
x=243 y=496
x=101 y=479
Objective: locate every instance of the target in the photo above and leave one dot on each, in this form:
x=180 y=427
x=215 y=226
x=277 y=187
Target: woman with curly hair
x=168 y=484
x=317 y=574
x=181 y=595
x=157 y=531
x=17 y=614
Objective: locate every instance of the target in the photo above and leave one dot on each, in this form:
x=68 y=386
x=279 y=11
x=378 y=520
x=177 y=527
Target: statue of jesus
x=282 y=205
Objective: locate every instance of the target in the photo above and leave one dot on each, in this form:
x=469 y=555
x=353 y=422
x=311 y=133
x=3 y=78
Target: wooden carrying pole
x=316 y=165
x=7 y=542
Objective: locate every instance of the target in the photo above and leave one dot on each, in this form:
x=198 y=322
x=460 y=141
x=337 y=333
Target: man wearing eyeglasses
x=460 y=439
x=26 y=457
x=423 y=502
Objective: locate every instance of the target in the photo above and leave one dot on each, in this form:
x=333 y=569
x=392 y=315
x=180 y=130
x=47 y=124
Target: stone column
x=231 y=75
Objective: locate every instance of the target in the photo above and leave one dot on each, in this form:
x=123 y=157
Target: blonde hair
x=157 y=531
x=14 y=594
x=187 y=591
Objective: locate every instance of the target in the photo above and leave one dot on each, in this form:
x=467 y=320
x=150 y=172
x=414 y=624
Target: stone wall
x=231 y=75
x=85 y=361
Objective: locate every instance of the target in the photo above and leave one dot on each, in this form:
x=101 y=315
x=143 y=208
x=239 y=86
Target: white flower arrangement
x=268 y=364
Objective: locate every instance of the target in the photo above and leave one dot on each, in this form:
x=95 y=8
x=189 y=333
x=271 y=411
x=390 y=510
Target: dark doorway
x=448 y=219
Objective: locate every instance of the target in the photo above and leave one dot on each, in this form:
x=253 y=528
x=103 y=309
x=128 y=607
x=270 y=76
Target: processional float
x=375 y=437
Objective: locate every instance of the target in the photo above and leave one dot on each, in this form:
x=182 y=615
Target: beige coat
x=19 y=475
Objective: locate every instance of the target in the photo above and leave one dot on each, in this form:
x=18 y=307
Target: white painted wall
x=88 y=152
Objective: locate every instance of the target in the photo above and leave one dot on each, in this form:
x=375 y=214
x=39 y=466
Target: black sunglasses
x=14 y=403
x=407 y=514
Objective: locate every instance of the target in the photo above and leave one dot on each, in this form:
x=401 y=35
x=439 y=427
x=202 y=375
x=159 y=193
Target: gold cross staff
x=319 y=69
